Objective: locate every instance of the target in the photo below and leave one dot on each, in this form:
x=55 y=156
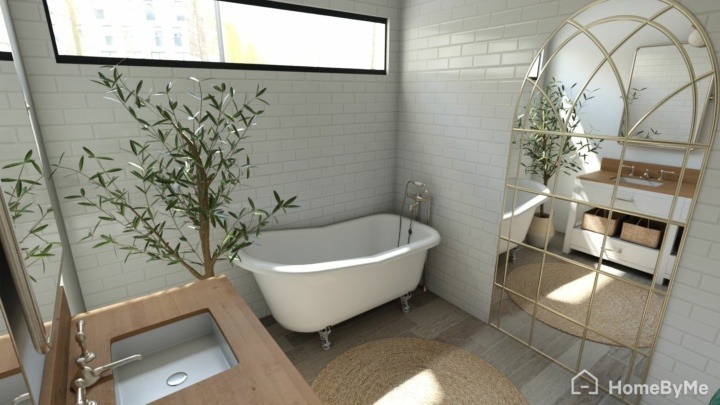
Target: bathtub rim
x=530 y=204
x=256 y=265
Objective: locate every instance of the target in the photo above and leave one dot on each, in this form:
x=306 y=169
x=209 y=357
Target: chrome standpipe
x=419 y=193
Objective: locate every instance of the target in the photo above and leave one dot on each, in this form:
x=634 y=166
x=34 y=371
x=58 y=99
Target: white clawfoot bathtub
x=522 y=214
x=318 y=277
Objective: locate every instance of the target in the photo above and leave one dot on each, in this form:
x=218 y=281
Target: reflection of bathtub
x=316 y=277
x=525 y=204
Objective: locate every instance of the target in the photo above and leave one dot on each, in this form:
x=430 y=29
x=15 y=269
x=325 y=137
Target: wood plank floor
x=430 y=317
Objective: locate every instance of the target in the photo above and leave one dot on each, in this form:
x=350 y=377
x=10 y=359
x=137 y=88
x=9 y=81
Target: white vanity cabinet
x=637 y=202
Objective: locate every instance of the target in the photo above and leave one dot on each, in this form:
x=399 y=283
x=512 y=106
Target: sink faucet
x=92 y=375
x=632 y=170
x=86 y=375
x=663 y=172
x=646 y=175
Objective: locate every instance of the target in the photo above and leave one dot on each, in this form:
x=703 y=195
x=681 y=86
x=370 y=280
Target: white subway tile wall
x=327 y=138
x=346 y=144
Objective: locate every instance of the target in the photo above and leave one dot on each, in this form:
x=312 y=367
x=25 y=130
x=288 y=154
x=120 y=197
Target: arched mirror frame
x=513 y=187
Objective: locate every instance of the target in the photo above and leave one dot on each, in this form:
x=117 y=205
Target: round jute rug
x=412 y=371
x=617 y=306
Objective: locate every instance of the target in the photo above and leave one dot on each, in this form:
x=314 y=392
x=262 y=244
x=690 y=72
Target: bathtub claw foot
x=513 y=256
x=404 y=305
x=325 y=338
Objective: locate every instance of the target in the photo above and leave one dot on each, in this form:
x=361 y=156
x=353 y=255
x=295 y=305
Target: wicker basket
x=596 y=219
x=642 y=231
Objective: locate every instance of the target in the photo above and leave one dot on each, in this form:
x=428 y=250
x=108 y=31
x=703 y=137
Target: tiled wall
x=462 y=63
x=327 y=138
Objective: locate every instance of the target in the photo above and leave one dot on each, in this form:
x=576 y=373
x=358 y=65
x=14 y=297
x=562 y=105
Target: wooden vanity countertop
x=9 y=364
x=264 y=375
x=608 y=172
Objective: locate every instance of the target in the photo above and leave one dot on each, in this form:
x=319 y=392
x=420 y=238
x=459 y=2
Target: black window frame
x=99 y=60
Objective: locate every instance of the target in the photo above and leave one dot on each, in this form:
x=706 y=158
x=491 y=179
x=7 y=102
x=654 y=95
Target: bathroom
x=346 y=144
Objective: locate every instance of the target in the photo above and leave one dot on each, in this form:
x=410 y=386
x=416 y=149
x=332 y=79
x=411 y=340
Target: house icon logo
x=579 y=384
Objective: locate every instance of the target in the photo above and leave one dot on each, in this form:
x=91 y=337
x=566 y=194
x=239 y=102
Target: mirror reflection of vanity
x=648 y=199
x=12 y=383
x=591 y=296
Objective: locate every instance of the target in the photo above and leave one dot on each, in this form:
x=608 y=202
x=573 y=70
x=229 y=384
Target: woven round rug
x=412 y=371
x=617 y=306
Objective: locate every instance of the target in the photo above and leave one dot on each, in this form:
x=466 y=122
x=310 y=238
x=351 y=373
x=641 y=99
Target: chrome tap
x=646 y=175
x=82 y=342
x=662 y=172
x=92 y=375
x=421 y=195
x=87 y=375
x=632 y=170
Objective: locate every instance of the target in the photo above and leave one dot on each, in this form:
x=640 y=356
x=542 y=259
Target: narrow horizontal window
x=233 y=34
x=5 y=50
x=264 y=35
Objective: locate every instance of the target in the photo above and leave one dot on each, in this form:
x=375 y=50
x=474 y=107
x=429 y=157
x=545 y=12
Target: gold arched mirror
x=615 y=121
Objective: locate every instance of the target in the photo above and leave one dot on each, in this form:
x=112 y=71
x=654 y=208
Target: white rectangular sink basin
x=641 y=182
x=189 y=350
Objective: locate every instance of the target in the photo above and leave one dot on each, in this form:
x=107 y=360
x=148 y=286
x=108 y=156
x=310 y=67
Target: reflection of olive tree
x=35 y=247
x=549 y=153
x=640 y=133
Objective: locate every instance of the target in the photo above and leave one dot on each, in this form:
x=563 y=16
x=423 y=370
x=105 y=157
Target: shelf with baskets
x=635 y=232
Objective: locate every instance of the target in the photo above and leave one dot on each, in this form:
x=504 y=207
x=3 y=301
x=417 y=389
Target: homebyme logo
x=588 y=384
x=585 y=382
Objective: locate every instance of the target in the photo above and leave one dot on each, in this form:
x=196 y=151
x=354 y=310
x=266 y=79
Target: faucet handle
x=99 y=371
x=82 y=361
x=22 y=399
x=662 y=172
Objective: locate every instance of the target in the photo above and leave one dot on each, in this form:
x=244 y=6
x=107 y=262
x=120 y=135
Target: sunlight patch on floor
x=423 y=388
